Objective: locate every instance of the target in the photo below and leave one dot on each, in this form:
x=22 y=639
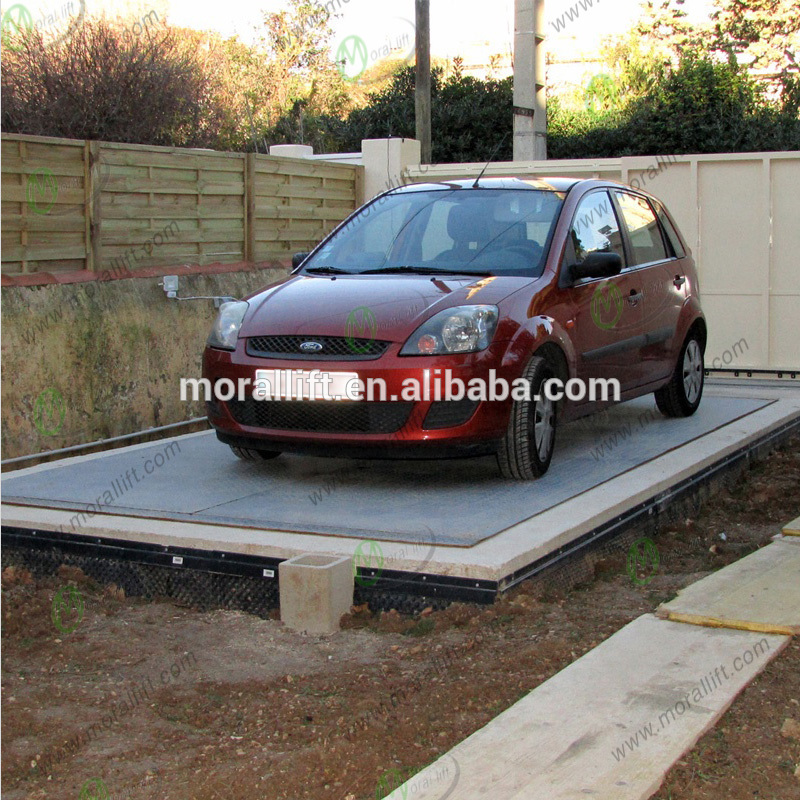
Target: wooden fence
x=100 y=206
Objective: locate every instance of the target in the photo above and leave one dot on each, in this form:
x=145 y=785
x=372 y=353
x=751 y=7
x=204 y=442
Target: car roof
x=553 y=184
x=511 y=182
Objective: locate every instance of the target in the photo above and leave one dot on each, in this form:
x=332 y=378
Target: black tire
x=681 y=396
x=525 y=451
x=251 y=454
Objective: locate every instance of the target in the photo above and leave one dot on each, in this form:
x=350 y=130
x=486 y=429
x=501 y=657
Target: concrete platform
x=461 y=502
x=758 y=593
x=448 y=523
x=611 y=724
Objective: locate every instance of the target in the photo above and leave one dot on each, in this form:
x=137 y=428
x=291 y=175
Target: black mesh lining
x=449 y=413
x=321 y=416
x=200 y=589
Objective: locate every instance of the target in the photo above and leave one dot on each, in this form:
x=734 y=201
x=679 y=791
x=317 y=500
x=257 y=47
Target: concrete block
x=315 y=589
x=385 y=163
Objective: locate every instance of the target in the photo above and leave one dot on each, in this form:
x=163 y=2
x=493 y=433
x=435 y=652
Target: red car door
x=607 y=322
x=662 y=281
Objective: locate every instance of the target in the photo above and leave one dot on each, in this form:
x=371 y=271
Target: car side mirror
x=298 y=259
x=597 y=265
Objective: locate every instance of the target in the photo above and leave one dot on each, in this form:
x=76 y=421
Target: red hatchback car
x=541 y=280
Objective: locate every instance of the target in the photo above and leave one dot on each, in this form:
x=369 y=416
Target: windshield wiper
x=328 y=271
x=426 y=271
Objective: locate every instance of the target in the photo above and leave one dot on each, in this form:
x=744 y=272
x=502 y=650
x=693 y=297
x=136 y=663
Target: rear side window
x=669 y=229
x=647 y=243
x=594 y=229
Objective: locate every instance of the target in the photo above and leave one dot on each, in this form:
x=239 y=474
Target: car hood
x=320 y=306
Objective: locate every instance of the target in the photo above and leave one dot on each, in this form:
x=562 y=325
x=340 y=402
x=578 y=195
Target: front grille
x=341 y=348
x=449 y=413
x=321 y=416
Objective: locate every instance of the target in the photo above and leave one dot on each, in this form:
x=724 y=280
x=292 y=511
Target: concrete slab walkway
x=611 y=724
x=758 y=593
x=793 y=528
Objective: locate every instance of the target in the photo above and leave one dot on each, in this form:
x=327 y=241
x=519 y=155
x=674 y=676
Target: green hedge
x=700 y=107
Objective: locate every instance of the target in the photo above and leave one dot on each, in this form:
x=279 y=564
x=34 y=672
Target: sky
x=456 y=25
x=453 y=22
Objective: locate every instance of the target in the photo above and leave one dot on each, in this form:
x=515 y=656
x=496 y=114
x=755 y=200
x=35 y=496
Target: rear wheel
x=527 y=448
x=251 y=454
x=681 y=396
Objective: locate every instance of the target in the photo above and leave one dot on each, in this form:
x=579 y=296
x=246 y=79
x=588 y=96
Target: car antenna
x=491 y=158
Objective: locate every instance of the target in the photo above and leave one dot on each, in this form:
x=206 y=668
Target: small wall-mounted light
x=170 y=286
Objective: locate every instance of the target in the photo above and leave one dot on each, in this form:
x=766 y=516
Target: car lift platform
x=449 y=529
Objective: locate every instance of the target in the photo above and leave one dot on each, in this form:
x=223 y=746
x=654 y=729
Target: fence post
x=359 y=186
x=249 y=207
x=92 y=194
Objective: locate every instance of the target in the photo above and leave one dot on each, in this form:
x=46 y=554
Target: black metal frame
x=738 y=372
x=214 y=561
x=246 y=566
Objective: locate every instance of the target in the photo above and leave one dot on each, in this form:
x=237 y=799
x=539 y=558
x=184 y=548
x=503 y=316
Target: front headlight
x=226 y=326
x=463 y=329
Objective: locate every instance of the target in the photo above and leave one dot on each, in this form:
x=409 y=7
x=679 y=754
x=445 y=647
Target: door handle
x=634 y=297
x=679 y=281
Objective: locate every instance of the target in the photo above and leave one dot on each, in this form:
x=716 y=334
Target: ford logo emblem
x=311 y=347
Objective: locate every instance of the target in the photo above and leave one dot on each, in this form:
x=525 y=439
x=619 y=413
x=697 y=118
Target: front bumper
x=425 y=428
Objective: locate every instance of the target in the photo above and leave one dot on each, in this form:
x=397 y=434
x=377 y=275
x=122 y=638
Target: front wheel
x=251 y=454
x=527 y=448
x=681 y=396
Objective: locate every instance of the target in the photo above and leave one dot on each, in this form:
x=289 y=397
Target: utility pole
x=530 y=109
x=422 y=90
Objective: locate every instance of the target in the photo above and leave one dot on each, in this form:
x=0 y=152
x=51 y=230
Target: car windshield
x=445 y=230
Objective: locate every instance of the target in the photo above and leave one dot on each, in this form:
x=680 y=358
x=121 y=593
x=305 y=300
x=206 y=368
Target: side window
x=672 y=234
x=594 y=229
x=645 y=235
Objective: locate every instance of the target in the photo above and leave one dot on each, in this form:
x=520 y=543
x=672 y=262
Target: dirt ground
x=150 y=700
